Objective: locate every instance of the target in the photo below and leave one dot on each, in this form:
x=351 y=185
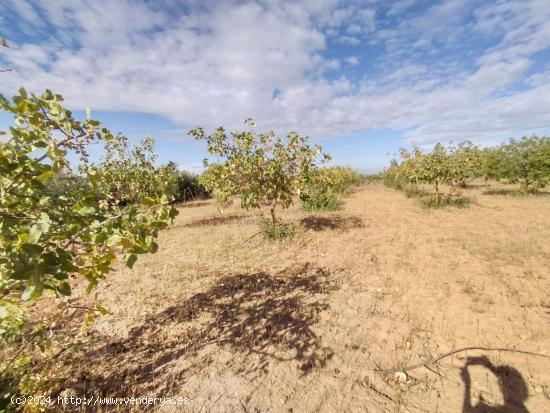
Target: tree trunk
x=272 y=210
x=437 y=190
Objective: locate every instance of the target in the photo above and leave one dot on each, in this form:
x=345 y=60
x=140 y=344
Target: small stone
x=400 y=377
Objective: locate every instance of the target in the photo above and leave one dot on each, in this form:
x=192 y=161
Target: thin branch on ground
x=459 y=350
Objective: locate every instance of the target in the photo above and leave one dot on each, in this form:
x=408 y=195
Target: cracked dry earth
x=241 y=324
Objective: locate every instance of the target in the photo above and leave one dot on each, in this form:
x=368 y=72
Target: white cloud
x=218 y=63
x=349 y=40
x=400 y=6
x=352 y=60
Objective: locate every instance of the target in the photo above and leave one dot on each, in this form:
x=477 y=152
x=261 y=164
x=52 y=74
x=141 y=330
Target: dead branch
x=459 y=350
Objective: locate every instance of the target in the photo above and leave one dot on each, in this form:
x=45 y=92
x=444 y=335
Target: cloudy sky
x=361 y=77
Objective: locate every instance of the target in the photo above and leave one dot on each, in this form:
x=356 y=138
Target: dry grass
x=301 y=324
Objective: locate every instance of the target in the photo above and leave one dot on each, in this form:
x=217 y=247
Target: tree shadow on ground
x=266 y=316
x=335 y=222
x=512 y=386
x=192 y=204
x=220 y=220
x=514 y=192
x=474 y=185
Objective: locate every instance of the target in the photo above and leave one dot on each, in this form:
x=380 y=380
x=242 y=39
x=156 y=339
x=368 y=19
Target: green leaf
x=117 y=240
x=45 y=221
x=34 y=234
x=153 y=246
x=101 y=310
x=28 y=293
x=148 y=201
x=131 y=260
x=86 y=211
x=64 y=289
x=45 y=176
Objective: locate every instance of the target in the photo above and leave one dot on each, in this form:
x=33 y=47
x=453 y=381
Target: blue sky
x=360 y=77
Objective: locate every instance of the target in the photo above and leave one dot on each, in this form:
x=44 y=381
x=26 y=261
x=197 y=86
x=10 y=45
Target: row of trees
x=60 y=221
x=525 y=162
x=326 y=186
x=128 y=174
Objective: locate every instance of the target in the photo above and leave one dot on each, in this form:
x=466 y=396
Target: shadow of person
x=512 y=386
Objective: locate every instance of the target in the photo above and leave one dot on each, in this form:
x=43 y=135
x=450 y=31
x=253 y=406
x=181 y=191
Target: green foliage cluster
x=326 y=185
x=213 y=179
x=276 y=231
x=452 y=166
x=261 y=169
x=128 y=173
x=338 y=179
x=394 y=178
x=52 y=229
x=190 y=187
x=320 y=201
x=525 y=161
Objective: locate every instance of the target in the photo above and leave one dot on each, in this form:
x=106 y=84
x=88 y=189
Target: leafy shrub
x=63 y=182
x=465 y=163
x=276 y=230
x=320 y=201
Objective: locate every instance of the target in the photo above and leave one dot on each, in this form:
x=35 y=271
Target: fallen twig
x=248 y=239
x=450 y=353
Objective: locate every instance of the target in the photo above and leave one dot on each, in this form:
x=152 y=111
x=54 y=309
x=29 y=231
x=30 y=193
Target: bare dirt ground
x=239 y=324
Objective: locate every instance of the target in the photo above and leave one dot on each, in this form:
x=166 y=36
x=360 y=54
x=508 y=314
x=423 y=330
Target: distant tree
x=525 y=161
x=128 y=173
x=215 y=182
x=260 y=168
x=433 y=167
x=466 y=163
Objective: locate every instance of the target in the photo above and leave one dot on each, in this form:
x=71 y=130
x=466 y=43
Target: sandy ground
x=240 y=324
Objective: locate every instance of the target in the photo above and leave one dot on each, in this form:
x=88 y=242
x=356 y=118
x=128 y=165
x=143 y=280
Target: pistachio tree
x=48 y=238
x=525 y=161
x=129 y=175
x=466 y=163
x=260 y=168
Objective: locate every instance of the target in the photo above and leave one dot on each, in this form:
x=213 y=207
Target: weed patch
x=456 y=201
x=276 y=231
x=321 y=201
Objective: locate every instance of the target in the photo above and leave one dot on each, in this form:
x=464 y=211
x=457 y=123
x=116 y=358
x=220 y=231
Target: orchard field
x=286 y=284
x=245 y=324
